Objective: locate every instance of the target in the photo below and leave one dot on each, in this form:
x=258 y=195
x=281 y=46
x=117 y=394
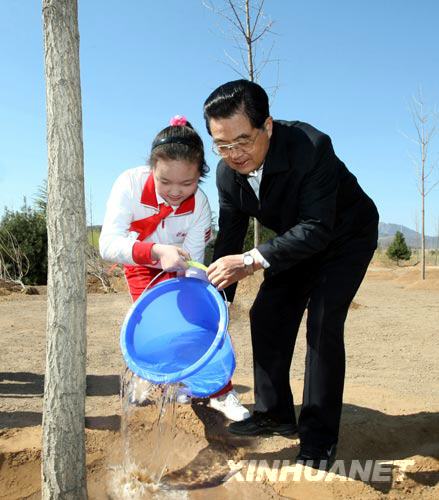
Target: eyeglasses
x=242 y=146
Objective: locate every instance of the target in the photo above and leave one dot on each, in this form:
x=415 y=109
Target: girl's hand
x=171 y=258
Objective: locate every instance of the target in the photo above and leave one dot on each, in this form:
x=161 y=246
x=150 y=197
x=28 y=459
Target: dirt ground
x=391 y=410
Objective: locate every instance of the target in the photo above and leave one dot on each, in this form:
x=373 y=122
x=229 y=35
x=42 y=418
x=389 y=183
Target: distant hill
x=386 y=233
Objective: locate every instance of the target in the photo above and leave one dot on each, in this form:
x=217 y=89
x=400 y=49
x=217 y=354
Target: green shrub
x=28 y=226
x=398 y=249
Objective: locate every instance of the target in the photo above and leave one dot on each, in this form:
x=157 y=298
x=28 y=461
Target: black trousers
x=325 y=285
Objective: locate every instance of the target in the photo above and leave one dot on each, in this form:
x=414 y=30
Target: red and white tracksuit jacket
x=133 y=200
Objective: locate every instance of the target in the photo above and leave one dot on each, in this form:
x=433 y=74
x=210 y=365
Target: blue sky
x=348 y=67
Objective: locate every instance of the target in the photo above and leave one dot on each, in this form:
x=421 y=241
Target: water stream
x=148 y=431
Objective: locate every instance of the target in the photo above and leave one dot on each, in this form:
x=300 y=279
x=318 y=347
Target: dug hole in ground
x=391 y=410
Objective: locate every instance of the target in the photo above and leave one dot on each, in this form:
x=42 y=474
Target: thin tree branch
x=234 y=69
x=258 y=14
x=431 y=188
x=241 y=27
x=265 y=30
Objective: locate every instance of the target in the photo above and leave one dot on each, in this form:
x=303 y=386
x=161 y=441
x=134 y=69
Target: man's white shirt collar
x=257 y=172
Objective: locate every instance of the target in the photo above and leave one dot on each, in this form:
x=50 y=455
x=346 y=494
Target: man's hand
x=227 y=270
x=171 y=258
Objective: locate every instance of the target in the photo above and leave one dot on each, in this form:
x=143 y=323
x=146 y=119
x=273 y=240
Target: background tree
x=24 y=233
x=98 y=268
x=398 y=249
x=248 y=27
x=14 y=265
x=40 y=200
x=63 y=453
x=425 y=121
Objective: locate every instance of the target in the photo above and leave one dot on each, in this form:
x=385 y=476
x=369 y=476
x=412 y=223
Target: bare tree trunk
x=423 y=159
x=248 y=38
x=63 y=461
x=425 y=122
x=418 y=235
x=251 y=31
x=257 y=232
x=251 y=74
x=437 y=243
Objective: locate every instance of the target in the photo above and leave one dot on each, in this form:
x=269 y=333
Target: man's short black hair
x=238 y=96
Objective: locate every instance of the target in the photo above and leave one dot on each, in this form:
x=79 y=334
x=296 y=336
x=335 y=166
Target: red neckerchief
x=145 y=227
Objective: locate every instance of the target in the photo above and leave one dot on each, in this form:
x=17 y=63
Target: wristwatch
x=248 y=263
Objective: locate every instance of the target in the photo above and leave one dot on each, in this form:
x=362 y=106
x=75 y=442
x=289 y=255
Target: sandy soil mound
x=198 y=463
x=391 y=411
x=407 y=277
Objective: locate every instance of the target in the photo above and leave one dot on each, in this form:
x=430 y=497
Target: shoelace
x=234 y=399
x=230 y=398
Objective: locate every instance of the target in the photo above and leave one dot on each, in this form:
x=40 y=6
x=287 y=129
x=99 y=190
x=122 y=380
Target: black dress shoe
x=317 y=457
x=259 y=424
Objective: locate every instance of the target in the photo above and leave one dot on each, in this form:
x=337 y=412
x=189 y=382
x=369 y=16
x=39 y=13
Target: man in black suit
x=287 y=175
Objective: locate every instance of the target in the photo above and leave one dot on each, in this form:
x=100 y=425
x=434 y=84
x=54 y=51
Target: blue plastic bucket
x=177 y=332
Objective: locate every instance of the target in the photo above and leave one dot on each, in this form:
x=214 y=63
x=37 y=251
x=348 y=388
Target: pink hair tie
x=178 y=121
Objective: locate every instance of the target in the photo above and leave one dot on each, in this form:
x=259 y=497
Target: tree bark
x=63 y=460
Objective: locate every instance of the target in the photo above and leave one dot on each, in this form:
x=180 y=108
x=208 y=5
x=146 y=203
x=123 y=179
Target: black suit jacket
x=307 y=196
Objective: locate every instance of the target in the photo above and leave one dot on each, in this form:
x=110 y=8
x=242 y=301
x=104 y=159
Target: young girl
x=157 y=218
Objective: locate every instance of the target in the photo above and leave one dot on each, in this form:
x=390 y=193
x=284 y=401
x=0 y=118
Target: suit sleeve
x=317 y=208
x=233 y=226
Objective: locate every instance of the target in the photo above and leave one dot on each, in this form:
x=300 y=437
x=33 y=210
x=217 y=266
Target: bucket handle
x=190 y=263
x=155 y=277
x=198 y=265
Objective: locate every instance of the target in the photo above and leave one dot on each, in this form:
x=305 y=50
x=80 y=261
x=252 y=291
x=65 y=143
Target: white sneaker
x=230 y=406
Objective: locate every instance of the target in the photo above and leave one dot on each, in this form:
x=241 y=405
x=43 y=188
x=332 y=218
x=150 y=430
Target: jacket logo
x=181 y=234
